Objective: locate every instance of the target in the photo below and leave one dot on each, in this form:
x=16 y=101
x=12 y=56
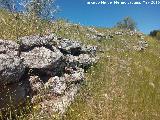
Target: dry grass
x=124 y=85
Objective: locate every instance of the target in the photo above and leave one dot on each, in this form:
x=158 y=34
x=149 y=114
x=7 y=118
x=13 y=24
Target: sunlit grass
x=122 y=86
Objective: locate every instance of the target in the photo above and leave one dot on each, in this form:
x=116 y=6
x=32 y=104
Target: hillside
x=123 y=85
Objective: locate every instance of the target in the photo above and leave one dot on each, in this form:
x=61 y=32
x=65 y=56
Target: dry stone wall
x=46 y=69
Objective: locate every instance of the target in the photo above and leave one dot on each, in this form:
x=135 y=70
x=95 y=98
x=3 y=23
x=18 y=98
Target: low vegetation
x=155 y=34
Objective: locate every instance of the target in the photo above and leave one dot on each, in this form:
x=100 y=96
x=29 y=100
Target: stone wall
x=48 y=70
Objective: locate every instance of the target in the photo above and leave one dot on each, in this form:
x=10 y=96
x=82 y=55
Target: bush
x=127 y=23
x=154 y=33
x=158 y=35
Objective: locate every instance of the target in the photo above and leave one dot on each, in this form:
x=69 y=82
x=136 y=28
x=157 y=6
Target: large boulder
x=11 y=69
x=29 y=42
x=43 y=60
x=70 y=47
x=41 y=57
x=60 y=104
x=75 y=48
x=56 y=85
x=88 y=49
x=9 y=47
x=83 y=60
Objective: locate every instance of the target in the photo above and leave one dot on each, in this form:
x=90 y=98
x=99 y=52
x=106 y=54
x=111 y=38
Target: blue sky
x=77 y=11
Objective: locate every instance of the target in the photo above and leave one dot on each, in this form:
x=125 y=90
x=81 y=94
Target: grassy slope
x=13 y=26
x=124 y=85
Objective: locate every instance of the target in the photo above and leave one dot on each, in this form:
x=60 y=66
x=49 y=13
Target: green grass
x=14 y=25
x=123 y=85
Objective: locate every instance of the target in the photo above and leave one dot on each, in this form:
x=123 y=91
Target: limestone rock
x=83 y=60
x=56 y=85
x=9 y=47
x=119 y=33
x=70 y=47
x=11 y=69
x=60 y=105
x=141 y=45
x=29 y=42
x=88 y=49
x=75 y=76
x=48 y=69
x=36 y=84
x=41 y=57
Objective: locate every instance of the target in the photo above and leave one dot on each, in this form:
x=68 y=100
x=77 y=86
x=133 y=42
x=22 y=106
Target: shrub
x=158 y=35
x=154 y=33
x=127 y=23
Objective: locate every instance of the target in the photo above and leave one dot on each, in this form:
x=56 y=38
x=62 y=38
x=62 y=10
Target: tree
x=44 y=9
x=8 y=4
x=127 y=23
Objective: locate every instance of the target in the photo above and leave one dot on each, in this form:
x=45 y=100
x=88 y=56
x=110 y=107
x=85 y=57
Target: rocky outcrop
x=9 y=47
x=11 y=69
x=74 y=76
x=59 y=105
x=56 y=85
x=43 y=60
x=82 y=61
x=29 y=42
x=109 y=34
x=141 y=45
x=48 y=69
x=70 y=47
